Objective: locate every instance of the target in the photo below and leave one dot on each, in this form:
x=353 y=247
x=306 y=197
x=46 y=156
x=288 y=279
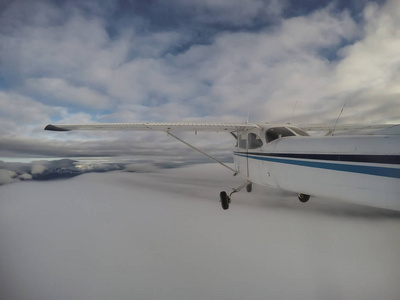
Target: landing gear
x=226 y=200
x=303 y=197
x=249 y=187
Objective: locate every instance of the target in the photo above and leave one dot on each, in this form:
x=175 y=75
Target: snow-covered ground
x=162 y=235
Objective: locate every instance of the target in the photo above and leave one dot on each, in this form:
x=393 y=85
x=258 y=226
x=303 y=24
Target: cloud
x=11 y=172
x=237 y=70
x=52 y=46
x=25 y=176
x=48 y=170
x=19 y=112
x=146 y=167
x=112 y=236
x=38 y=168
x=270 y=69
x=61 y=92
x=7 y=176
x=369 y=70
x=130 y=65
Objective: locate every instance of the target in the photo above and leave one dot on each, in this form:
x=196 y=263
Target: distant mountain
x=56 y=174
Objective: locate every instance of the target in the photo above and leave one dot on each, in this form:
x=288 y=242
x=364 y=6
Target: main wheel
x=249 y=187
x=224 y=200
x=303 y=197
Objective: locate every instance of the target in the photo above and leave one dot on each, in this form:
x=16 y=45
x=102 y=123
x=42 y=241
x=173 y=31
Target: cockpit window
x=299 y=131
x=276 y=133
x=254 y=141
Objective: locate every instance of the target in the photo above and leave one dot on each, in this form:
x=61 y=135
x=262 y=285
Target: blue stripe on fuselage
x=362 y=169
x=359 y=158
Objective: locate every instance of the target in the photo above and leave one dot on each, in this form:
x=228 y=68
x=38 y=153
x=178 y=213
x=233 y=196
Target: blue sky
x=125 y=61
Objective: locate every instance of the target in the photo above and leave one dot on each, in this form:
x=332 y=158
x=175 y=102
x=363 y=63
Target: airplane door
x=247 y=159
x=241 y=158
x=245 y=135
x=254 y=166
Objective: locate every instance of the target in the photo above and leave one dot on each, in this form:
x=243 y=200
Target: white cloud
x=137 y=75
x=24 y=116
x=7 y=176
x=38 y=168
x=114 y=235
x=272 y=69
x=370 y=69
x=24 y=109
x=238 y=70
x=141 y=168
x=62 y=92
x=25 y=176
x=59 y=49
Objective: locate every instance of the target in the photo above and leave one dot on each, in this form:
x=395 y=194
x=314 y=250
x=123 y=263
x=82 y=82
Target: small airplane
x=360 y=167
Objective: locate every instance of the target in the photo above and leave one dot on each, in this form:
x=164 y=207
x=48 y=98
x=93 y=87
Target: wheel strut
x=226 y=200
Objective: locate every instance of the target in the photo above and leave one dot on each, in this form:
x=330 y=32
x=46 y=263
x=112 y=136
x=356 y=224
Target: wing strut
x=205 y=154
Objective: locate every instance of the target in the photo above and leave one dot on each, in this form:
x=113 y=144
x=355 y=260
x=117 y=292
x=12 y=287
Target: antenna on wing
x=290 y=120
x=248 y=114
x=333 y=131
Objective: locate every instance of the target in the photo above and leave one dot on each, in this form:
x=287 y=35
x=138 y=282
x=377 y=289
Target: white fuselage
x=361 y=169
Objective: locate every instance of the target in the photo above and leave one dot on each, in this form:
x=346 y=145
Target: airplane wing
x=166 y=127
x=212 y=127
x=340 y=127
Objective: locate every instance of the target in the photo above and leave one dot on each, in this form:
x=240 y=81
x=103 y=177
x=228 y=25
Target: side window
x=276 y=133
x=271 y=135
x=242 y=141
x=254 y=141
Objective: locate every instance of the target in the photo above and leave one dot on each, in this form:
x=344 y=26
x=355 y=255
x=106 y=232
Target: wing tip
x=51 y=127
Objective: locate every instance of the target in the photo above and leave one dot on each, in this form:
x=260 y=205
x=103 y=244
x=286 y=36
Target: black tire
x=249 y=187
x=303 y=198
x=224 y=200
